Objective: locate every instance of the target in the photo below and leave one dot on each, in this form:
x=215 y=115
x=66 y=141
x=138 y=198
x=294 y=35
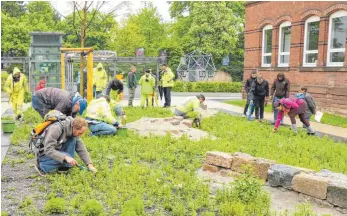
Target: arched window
x=337 y=38
x=267 y=46
x=311 y=41
x=284 y=44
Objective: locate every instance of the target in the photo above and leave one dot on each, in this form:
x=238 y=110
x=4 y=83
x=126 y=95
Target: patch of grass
x=55 y=206
x=135 y=113
x=329 y=119
x=26 y=202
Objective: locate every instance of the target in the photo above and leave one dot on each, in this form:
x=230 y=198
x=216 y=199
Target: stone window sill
x=322 y=69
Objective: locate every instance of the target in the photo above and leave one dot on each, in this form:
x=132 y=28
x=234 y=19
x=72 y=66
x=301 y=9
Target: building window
x=337 y=38
x=284 y=44
x=311 y=41
x=267 y=46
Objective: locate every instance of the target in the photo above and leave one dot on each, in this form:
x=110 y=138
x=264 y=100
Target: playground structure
x=45 y=60
x=196 y=66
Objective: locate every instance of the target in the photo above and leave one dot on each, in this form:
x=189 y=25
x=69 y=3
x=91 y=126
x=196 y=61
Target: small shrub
x=4 y=213
x=92 y=208
x=4 y=76
x=55 y=205
x=26 y=202
x=304 y=209
x=20 y=134
x=207 y=87
x=27 y=97
x=132 y=206
x=30 y=116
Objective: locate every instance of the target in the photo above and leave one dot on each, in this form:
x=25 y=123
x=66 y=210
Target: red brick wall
x=327 y=84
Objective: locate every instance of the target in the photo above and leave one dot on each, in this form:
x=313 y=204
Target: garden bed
x=156 y=175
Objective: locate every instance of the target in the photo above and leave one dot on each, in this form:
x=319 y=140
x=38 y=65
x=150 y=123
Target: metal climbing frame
x=67 y=78
x=196 y=66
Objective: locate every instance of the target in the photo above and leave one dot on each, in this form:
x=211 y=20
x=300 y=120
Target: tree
x=13 y=9
x=41 y=16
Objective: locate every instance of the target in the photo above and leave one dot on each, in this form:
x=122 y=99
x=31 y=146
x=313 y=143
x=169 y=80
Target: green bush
x=92 y=208
x=30 y=116
x=27 y=97
x=133 y=207
x=207 y=87
x=4 y=76
x=55 y=205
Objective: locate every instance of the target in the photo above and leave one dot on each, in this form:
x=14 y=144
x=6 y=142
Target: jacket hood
x=281 y=75
x=16 y=70
x=100 y=66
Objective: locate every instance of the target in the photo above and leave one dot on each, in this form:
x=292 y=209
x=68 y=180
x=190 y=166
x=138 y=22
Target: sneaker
x=39 y=170
x=18 y=117
x=311 y=134
x=243 y=115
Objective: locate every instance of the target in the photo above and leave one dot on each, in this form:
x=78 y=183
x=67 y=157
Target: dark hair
x=164 y=64
x=254 y=72
x=303 y=88
x=147 y=71
x=280 y=74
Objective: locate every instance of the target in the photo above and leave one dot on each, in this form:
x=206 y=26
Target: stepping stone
x=219 y=159
x=310 y=184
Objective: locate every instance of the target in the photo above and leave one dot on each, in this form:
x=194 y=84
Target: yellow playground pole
x=90 y=76
x=88 y=50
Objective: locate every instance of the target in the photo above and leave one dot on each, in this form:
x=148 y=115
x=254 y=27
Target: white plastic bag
x=318 y=116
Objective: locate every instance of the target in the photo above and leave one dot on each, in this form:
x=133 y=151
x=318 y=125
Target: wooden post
x=83 y=31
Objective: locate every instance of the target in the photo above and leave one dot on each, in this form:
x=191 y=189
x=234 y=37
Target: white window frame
x=334 y=64
x=285 y=24
x=263 y=54
x=309 y=20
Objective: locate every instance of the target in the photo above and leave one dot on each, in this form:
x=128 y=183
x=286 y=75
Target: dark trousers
x=246 y=108
x=38 y=105
x=300 y=111
x=167 y=94
x=259 y=106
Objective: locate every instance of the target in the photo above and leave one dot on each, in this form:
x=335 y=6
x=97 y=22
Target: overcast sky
x=65 y=8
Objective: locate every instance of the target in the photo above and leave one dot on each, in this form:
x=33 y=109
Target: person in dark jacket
x=258 y=94
x=248 y=85
x=117 y=86
x=311 y=105
x=131 y=84
x=48 y=99
x=60 y=144
x=280 y=89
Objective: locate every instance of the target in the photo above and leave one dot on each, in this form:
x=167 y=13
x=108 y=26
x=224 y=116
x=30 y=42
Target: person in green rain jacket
x=16 y=85
x=191 y=108
x=147 y=83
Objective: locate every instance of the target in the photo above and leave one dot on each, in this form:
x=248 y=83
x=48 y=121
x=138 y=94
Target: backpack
x=38 y=133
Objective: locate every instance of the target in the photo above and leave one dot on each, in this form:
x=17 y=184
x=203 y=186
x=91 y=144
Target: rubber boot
x=294 y=128
x=310 y=131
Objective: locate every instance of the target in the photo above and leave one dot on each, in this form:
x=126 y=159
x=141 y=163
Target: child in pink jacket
x=292 y=107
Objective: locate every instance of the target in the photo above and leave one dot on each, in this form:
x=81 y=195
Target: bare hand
x=119 y=126
x=92 y=168
x=71 y=161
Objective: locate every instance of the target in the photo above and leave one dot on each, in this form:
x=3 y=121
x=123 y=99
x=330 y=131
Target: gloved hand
x=275 y=130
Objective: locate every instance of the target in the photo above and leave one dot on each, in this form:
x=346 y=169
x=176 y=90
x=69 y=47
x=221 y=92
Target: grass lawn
x=157 y=175
x=329 y=119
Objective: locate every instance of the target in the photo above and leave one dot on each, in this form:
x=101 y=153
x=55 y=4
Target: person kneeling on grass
x=59 y=146
x=99 y=117
x=191 y=108
x=292 y=107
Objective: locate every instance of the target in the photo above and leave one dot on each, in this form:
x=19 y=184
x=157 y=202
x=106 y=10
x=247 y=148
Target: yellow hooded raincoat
x=99 y=77
x=16 y=91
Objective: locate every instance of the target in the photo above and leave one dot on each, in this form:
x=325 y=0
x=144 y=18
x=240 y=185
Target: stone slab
x=179 y=118
x=337 y=187
x=315 y=186
x=187 y=122
x=219 y=159
x=175 y=122
x=282 y=175
x=239 y=161
x=260 y=167
x=210 y=168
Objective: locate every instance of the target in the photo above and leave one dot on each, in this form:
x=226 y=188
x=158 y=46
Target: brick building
x=306 y=41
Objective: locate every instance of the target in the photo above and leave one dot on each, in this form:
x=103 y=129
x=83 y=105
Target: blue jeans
x=39 y=106
x=250 y=111
x=275 y=110
x=47 y=164
x=102 y=129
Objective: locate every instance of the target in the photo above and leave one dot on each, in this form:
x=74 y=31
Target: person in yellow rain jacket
x=99 y=79
x=191 y=108
x=167 y=83
x=16 y=85
x=147 y=83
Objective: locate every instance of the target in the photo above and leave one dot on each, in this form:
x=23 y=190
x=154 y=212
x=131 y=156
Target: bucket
x=122 y=131
x=8 y=126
